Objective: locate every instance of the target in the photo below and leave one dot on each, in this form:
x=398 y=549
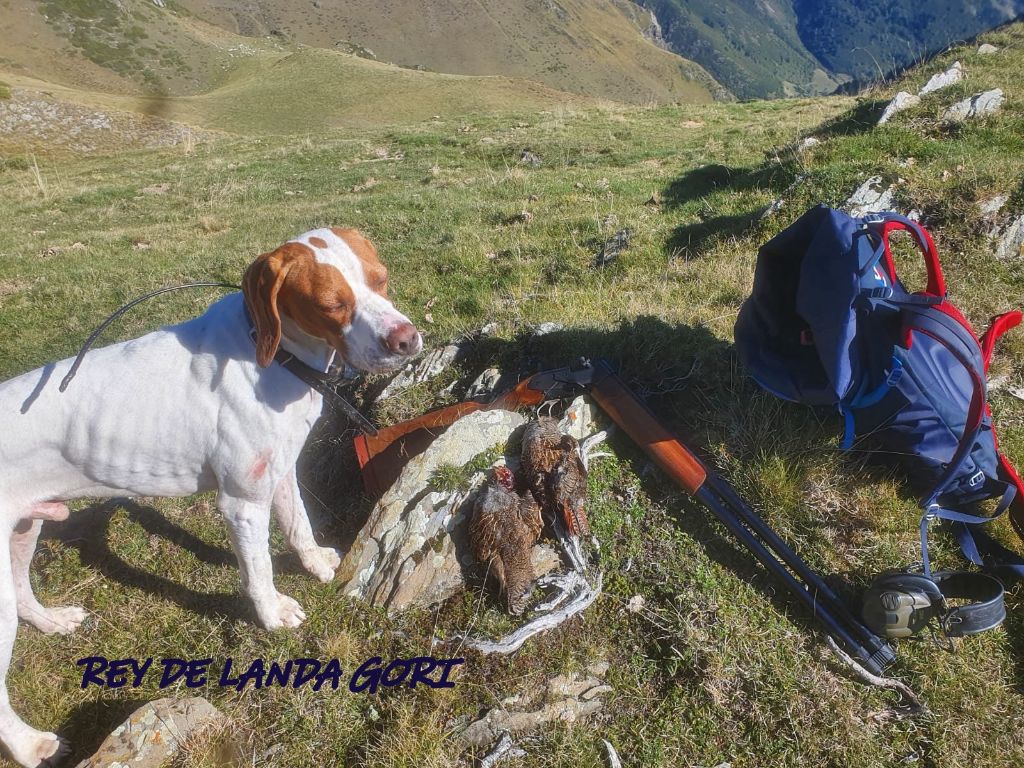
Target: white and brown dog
x=190 y=408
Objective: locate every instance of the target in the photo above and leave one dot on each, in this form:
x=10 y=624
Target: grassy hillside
x=302 y=92
x=588 y=47
x=192 y=46
x=715 y=666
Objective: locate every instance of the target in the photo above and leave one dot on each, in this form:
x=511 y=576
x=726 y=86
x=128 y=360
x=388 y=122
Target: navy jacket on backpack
x=830 y=323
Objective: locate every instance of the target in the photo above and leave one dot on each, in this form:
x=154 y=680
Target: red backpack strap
x=1000 y=325
x=891 y=222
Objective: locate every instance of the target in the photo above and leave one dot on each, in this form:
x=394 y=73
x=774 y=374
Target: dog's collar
x=317 y=380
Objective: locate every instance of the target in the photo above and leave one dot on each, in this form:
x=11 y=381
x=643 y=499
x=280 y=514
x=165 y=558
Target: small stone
x=529 y=158
x=568 y=699
x=901 y=101
x=808 y=143
x=484 y=384
x=990 y=208
x=582 y=418
x=613 y=247
x=979 y=105
x=870 y=197
x=944 y=79
x=987 y=48
x=545 y=328
x=1011 y=244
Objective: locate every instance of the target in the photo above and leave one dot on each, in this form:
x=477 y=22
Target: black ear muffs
x=901 y=604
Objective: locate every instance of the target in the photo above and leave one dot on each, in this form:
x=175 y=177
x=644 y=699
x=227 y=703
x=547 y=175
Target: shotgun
x=382 y=457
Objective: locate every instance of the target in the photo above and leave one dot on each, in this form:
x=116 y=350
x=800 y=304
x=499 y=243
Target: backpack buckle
x=882 y=292
x=976 y=479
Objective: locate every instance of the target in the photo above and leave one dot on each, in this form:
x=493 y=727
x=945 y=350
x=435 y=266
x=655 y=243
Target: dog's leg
x=61 y=620
x=25 y=744
x=294 y=521
x=249 y=528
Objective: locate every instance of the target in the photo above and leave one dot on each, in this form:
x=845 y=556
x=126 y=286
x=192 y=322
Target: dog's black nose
x=404 y=340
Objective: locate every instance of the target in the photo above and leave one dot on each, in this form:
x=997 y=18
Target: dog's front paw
x=285 y=612
x=36 y=749
x=55 y=621
x=321 y=562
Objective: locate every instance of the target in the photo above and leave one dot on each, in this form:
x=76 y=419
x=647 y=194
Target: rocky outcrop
x=413 y=549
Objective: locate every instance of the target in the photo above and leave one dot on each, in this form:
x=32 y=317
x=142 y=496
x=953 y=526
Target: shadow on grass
x=690 y=241
x=860 y=118
x=87 y=531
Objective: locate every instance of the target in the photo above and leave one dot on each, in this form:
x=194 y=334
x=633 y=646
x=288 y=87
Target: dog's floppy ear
x=260 y=287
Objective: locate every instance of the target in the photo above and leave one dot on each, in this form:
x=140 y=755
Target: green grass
x=717 y=666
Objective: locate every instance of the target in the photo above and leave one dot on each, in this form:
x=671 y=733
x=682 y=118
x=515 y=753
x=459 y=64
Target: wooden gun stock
x=637 y=421
x=382 y=456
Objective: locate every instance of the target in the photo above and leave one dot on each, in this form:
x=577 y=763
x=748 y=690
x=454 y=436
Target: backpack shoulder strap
x=979 y=547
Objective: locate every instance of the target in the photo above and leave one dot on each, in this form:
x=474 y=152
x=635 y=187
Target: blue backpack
x=830 y=323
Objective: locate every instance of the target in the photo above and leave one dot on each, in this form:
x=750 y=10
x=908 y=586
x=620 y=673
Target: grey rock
x=413 y=548
x=529 y=158
x=484 y=384
x=945 y=79
x=990 y=208
x=565 y=698
x=871 y=196
x=979 y=105
x=807 y=143
x=986 y=48
x=901 y=101
x=1011 y=241
x=545 y=328
x=427 y=367
x=154 y=733
x=582 y=418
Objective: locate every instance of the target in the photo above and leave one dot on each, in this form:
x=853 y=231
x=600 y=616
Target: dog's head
x=332 y=286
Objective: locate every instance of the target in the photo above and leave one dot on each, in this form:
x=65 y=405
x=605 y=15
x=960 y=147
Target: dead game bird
x=555 y=473
x=504 y=528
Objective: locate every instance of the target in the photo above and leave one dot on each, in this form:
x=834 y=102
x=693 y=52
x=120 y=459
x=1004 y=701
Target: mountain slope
x=590 y=47
x=595 y=49
x=751 y=46
x=869 y=37
x=771 y=48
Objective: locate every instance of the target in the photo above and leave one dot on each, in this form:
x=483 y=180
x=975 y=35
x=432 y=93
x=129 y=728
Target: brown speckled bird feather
x=554 y=472
x=504 y=528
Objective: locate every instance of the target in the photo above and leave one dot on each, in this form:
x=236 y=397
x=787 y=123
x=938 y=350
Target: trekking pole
x=781 y=549
x=633 y=416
